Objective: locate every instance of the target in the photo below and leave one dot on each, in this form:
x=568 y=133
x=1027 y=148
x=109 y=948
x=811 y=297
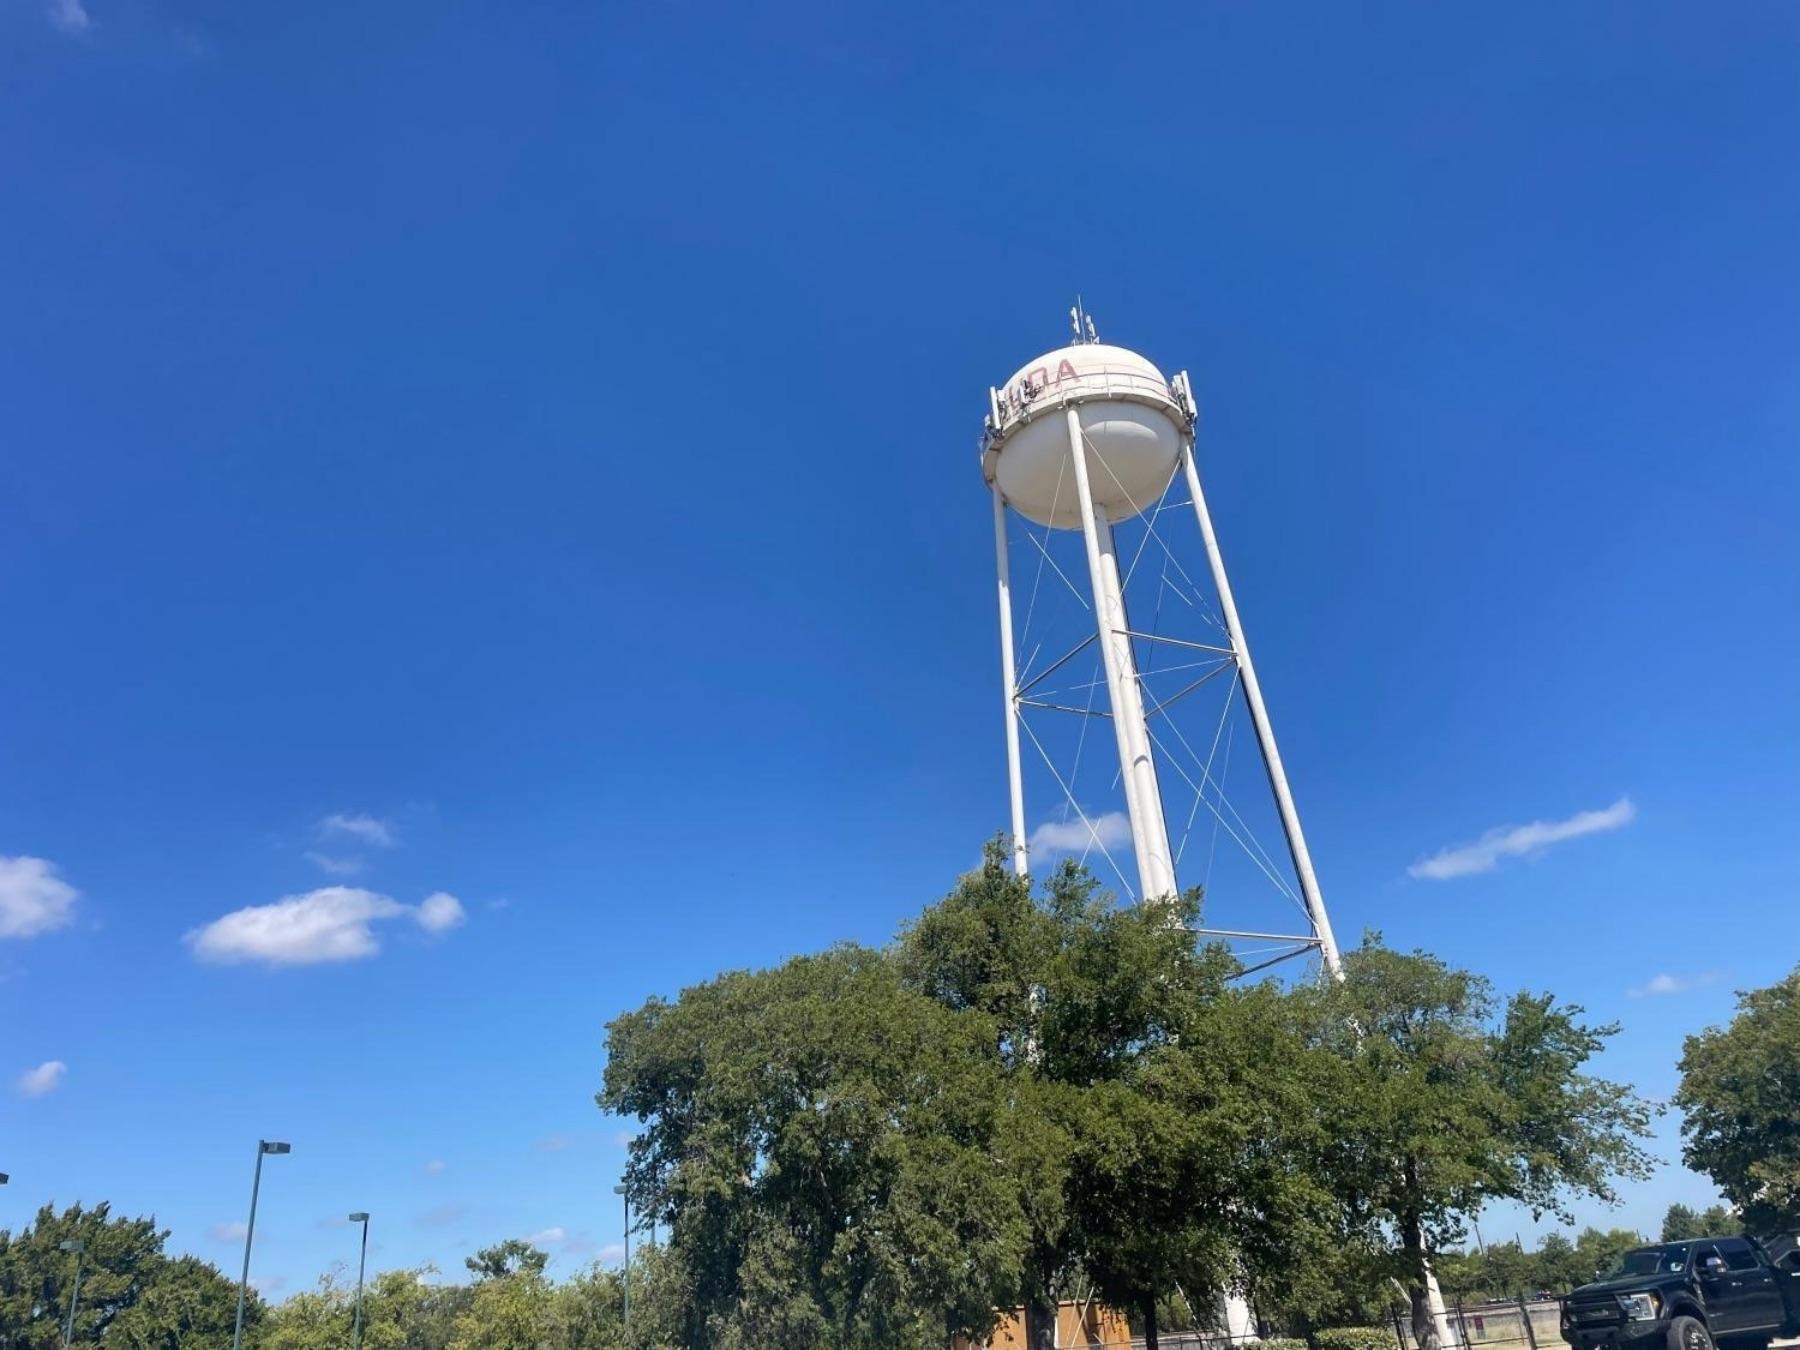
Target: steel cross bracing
x=1029 y=690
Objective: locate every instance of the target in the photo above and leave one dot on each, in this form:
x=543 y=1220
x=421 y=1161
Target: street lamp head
x=74 y=1245
x=618 y=1190
x=4 y=1178
x=270 y=1146
x=359 y=1217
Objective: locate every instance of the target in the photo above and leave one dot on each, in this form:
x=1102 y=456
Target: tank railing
x=1020 y=398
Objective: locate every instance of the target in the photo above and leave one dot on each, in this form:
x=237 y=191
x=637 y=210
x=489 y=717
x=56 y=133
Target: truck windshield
x=1670 y=1260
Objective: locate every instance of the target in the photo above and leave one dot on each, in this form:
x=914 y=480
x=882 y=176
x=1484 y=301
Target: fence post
x=1462 y=1324
x=1530 y=1335
x=1399 y=1335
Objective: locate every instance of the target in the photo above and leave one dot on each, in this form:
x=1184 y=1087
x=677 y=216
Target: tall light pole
x=77 y=1246
x=621 y=1192
x=362 y=1264
x=263 y=1146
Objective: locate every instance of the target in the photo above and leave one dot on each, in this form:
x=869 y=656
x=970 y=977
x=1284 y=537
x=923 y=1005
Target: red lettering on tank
x=1065 y=371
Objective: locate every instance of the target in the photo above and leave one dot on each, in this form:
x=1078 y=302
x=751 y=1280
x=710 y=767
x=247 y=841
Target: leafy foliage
x=511 y=1257
x=1443 y=1104
x=820 y=1147
x=1740 y=1092
x=131 y=1293
x=1354 y=1338
x=1681 y=1223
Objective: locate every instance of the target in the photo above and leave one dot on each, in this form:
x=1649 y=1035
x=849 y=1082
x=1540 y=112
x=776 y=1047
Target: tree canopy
x=1034 y=1093
x=132 y=1294
x=1740 y=1098
x=1443 y=1103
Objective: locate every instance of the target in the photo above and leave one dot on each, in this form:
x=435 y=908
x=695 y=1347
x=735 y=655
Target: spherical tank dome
x=1132 y=426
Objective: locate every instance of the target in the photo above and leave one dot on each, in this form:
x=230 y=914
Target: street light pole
x=79 y=1247
x=620 y=1191
x=262 y=1146
x=361 y=1265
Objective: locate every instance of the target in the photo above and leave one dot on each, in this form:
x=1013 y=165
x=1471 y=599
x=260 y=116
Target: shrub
x=1355 y=1338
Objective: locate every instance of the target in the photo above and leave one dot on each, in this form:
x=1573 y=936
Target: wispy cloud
x=1109 y=830
x=1513 y=841
x=335 y=866
x=226 y=1232
x=268 y=1284
x=554 y=1143
x=549 y=1237
x=334 y=923
x=43 y=1080
x=70 y=15
x=442 y=1216
x=33 y=899
x=1659 y=985
x=368 y=829
x=435 y=1168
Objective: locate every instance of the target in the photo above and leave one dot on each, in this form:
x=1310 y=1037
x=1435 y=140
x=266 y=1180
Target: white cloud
x=33 y=899
x=333 y=923
x=334 y=866
x=612 y=1251
x=1512 y=841
x=1110 y=830
x=548 y=1237
x=70 y=15
x=440 y=911
x=268 y=1284
x=369 y=829
x=1658 y=985
x=43 y=1080
x=226 y=1232
x=435 y=1168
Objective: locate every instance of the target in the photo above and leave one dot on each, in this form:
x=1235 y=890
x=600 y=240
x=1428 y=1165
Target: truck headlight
x=1641 y=1307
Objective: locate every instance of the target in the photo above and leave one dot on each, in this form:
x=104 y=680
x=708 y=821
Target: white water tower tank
x=1132 y=421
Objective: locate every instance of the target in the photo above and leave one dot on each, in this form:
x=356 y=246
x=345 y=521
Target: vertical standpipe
x=1010 y=677
x=1143 y=795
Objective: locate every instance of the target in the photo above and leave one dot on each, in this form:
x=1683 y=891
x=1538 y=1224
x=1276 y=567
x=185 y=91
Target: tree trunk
x=1150 y=1340
x=1430 y=1328
x=1040 y=1322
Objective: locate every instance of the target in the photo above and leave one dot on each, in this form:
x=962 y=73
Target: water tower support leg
x=1143 y=797
x=1265 y=733
x=1010 y=677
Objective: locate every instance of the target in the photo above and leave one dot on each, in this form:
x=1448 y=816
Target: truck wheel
x=1689 y=1333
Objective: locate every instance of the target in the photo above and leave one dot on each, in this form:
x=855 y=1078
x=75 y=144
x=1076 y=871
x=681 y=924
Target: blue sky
x=525 y=454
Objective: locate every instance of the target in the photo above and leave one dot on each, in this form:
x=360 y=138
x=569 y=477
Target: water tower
x=1094 y=440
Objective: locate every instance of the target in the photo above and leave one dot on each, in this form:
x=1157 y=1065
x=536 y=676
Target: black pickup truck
x=1730 y=1292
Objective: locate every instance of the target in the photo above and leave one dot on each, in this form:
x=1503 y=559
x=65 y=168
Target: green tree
x=187 y=1303
x=125 y=1280
x=1598 y=1251
x=514 y=1256
x=1444 y=1103
x=1171 y=1110
x=1740 y=1095
x=1680 y=1223
x=820 y=1146
x=510 y=1312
